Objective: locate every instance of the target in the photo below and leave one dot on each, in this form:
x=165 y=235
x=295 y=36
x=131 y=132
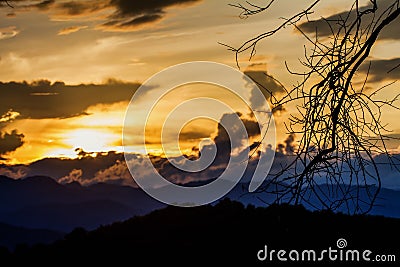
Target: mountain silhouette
x=42 y=203
x=227 y=232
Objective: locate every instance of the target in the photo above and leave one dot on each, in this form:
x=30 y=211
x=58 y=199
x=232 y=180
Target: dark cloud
x=288 y=147
x=382 y=69
x=280 y=149
x=126 y=15
x=80 y=8
x=277 y=110
x=74 y=8
x=324 y=26
x=136 y=8
x=9 y=142
x=137 y=21
x=129 y=15
x=43 y=99
x=144 y=19
x=252 y=127
x=194 y=135
x=290 y=144
x=45 y=5
x=223 y=141
x=71 y=8
x=266 y=83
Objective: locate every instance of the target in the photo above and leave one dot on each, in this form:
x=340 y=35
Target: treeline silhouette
x=227 y=232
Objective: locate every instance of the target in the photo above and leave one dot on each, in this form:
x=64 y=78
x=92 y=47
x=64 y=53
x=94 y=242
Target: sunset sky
x=69 y=68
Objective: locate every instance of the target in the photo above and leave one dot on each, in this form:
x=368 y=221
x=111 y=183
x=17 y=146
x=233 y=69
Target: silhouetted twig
x=339 y=123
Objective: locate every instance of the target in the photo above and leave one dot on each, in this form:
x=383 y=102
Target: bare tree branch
x=339 y=124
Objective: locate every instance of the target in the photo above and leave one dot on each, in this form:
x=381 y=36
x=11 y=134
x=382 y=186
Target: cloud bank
x=43 y=99
x=115 y=15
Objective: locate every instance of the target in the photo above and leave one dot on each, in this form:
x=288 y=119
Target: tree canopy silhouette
x=224 y=233
x=339 y=118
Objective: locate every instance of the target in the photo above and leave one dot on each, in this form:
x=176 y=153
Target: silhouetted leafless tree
x=339 y=122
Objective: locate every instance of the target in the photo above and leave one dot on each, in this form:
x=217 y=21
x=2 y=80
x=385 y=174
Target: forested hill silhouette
x=226 y=232
x=39 y=202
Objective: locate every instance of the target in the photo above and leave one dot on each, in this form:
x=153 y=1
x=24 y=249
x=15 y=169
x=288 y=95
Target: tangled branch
x=339 y=121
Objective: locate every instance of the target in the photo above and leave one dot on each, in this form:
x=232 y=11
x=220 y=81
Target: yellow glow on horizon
x=100 y=131
x=90 y=139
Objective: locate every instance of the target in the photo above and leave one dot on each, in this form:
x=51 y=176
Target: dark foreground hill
x=226 y=233
x=10 y=236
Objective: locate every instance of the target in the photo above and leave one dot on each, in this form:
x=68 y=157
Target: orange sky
x=85 y=42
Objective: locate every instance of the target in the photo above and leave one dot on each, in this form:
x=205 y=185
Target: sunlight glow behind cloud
x=65 y=41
